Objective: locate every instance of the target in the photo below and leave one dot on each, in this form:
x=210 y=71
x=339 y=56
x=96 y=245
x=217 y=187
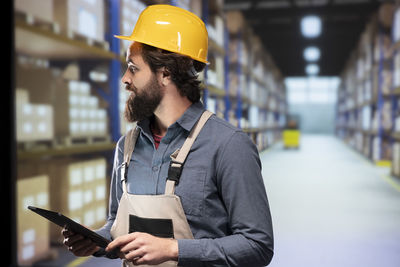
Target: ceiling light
x=311 y=53
x=312 y=69
x=311 y=26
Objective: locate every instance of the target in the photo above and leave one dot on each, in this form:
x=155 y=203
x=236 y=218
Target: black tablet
x=75 y=227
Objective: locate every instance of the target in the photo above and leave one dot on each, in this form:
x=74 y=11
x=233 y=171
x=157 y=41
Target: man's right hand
x=77 y=244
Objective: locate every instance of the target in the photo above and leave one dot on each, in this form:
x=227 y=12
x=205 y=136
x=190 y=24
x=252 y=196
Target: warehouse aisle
x=331 y=207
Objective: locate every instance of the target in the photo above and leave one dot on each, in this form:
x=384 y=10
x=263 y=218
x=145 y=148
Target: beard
x=141 y=105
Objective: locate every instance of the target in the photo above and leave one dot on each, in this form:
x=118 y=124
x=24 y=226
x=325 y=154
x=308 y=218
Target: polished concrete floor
x=330 y=207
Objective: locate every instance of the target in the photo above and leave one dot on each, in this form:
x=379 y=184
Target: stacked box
x=220 y=112
x=383 y=44
x=185 y=4
x=254 y=121
x=396 y=69
x=32 y=230
x=41 y=9
x=397 y=124
x=215 y=29
x=85 y=117
x=253 y=91
x=396 y=159
x=387 y=122
x=83 y=17
x=215 y=72
x=34 y=121
x=78 y=190
x=366 y=118
x=396 y=25
x=238 y=52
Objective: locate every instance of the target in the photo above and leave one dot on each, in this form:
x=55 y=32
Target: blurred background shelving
x=368 y=115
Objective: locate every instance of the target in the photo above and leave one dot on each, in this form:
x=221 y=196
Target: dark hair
x=178 y=67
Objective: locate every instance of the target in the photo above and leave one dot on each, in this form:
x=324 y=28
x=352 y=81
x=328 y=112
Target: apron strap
x=129 y=146
x=178 y=157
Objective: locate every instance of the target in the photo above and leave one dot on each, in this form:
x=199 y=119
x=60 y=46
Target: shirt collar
x=186 y=121
x=191 y=116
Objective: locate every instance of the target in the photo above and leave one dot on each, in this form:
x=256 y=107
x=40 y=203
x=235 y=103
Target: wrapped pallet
x=32 y=230
x=81 y=17
x=78 y=190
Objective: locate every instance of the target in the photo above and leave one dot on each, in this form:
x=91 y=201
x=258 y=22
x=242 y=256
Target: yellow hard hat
x=171 y=28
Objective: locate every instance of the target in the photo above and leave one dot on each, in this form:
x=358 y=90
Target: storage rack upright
x=367 y=100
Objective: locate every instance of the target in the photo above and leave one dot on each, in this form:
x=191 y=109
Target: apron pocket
x=157 y=227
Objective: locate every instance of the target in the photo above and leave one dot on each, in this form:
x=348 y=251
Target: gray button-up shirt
x=221 y=190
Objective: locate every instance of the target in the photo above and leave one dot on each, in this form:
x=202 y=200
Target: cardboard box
x=34 y=121
x=81 y=17
x=32 y=230
x=78 y=190
x=39 y=9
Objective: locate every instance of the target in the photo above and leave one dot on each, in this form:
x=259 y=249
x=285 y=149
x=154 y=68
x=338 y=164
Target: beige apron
x=160 y=215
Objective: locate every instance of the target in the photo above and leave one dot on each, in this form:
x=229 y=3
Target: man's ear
x=165 y=76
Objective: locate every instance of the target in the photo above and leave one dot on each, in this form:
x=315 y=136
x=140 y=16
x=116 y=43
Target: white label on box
x=101 y=114
x=28 y=201
x=91 y=2
x=42 y=127
x=28 y=236
x=88 y=196
x=73 y=100
x=41 y=110
x=28 y=252
x=92 y=126
x=100 y=192
x=87 y=23
x=75 y=176
x=74 y=127
x=101 y=214
x=89 y=218
x=73 y=113
x=83 y=127
x=75 y=200
x=89 y=173
x=28 y=127
x=27 y=109
x=101 y=170
x=42 y=199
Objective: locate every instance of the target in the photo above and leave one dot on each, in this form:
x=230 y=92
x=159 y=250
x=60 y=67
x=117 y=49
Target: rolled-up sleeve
x=242 y=190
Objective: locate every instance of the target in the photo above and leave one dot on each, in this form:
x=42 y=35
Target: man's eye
x=132 y=69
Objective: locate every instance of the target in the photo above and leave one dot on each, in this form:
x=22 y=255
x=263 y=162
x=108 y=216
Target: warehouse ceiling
x=277 y=22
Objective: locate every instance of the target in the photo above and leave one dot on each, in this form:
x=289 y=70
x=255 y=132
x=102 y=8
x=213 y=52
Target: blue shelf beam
x=115 y=69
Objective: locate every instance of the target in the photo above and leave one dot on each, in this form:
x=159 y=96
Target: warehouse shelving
x=395 y=92
x=367 y=104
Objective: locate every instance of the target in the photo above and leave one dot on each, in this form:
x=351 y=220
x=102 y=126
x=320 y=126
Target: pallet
x=35 y=145
x=37 y=22
x=84 y=140
x=89 y=41
x=55 y=28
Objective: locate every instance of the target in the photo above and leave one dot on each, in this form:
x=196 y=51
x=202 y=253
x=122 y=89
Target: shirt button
x=155 y=168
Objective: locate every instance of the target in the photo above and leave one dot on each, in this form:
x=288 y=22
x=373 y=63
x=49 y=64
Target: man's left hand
x=143 y=248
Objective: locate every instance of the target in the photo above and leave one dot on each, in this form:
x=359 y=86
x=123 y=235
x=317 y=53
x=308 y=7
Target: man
x=191 y=193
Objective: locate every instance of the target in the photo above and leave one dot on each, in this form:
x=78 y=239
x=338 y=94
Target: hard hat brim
x=129 y=38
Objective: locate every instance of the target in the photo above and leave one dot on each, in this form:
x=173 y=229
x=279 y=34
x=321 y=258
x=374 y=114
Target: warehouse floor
x=330 y=207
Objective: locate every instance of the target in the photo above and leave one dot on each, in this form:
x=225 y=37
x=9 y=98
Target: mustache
x=131 y=88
